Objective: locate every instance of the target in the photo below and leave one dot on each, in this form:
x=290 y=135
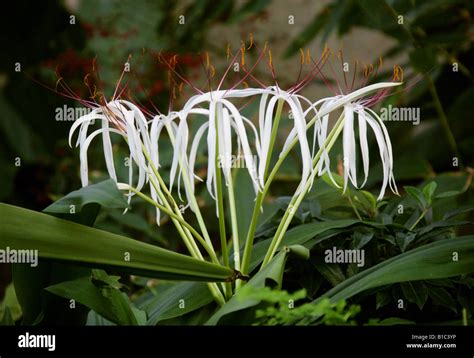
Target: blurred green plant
x=281 y=309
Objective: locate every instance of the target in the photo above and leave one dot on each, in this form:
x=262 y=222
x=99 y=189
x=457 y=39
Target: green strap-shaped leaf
x=165 y=304
x=440 y=259
x=59 y=239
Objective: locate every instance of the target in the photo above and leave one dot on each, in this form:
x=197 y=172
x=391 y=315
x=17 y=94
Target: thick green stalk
x=174 y=216
x=165 y=197
x=297 y=199
x=220 y=209
x=184 y=233
x=273 y=135
x=235 y=227
x=261 y=194
x=194 y=204
x=234 y=223
x=422 y=215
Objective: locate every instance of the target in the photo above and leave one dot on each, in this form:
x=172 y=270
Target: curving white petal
x=364 y=146
x=108 y=153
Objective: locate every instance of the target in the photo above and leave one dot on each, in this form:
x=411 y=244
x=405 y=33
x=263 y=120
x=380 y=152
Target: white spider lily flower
x=352 y=103
x=229 y=120
x=320 y=132
x=127 y=121
x=366 y=116
x=299 y=130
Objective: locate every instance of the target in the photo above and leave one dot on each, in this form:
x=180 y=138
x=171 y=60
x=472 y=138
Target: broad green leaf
x=175 y=300
x=100 y=278
x=106 y=300
x=382 y=298
x=367 y=199
x=105 y=194
x=404 y=239
x=37 y=306
x=59 y=239
x=428 y=191
x=442 y=297
x=458 y=211
x=418 y=195
x=360 y=239
x=448 y=194
x=331 y=272
x=430 y=261
x=415 y=292
x=442 y=224
x=82 y=207
x=95 y=319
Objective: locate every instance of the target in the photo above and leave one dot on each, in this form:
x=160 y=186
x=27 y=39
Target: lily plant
x=225 y=132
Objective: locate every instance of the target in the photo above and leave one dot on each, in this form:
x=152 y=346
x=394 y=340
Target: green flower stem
x=166 y=198
x=259 y=201
x=194 y=204
x=184 y=233
x=297 y=199
x=261 y=194
x=235 y=227
x=422 y=215
x=220 y=209
x=194 y=251
x=353 y=206
x=273 y=135
x=174 y=216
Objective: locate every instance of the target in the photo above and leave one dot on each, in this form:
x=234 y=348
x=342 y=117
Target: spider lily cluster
x=225 y=132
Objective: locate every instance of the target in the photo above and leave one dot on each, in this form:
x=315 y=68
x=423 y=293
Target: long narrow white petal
x=392 y=183
x=194 y=148
x=211 y=148
x=383 y=152
x=108 y=153
x=364 y=146
x=242 y=136
x=265 y=135
x=83 y=153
